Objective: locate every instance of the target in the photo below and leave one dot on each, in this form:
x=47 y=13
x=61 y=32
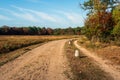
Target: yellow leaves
x=116 y=14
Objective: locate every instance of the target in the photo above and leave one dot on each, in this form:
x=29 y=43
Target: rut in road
x=46 y=62
x=102 y=63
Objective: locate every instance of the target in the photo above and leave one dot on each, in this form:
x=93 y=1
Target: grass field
x=10 y=43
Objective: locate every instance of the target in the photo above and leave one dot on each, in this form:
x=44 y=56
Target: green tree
x=99 y=5
x=116 y=16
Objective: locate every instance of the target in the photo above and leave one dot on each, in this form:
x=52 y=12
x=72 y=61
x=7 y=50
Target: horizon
x=44 y=13
x=40 y=27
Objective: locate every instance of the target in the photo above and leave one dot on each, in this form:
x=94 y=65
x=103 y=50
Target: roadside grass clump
x=91 y=44
x=82 y=67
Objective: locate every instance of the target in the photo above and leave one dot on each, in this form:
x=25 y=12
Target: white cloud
x=74 y=18
x=70 y=17
x=2 y=17
x=19 y=8
x=42 y=15
x=26 y=16
x=58 y=17
x=23 y=15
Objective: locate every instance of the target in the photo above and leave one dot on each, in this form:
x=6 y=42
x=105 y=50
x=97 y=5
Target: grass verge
x=107 y=51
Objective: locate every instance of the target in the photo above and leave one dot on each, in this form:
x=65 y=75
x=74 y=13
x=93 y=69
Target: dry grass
x=104 y=50
x=4 y=58
x=83 y=67
x=10 y=43
x=111 y=53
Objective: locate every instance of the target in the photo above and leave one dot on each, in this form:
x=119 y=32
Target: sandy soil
x=110 y=69
x=46 y=62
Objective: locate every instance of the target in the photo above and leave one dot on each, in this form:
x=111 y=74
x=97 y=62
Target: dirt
x=111 y=53
x=49 y=62
x=110 y=69
x=46 y=62
x=83 y=67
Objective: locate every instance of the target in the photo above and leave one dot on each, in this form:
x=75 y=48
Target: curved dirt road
x=102 y=63
x=46 y=62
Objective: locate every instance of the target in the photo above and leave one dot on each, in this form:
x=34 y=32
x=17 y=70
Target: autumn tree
x=34 y=30
x=99 y=23
x=5 y=30
x=49 y=31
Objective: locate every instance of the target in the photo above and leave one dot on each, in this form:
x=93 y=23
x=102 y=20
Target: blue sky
x=48 y=13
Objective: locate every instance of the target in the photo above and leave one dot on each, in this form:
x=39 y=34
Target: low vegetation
x=83 y=67
x=107 y=51
x=9 y=56
x=10 y=43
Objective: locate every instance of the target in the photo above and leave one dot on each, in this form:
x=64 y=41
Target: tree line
x=103 y=21
x=34 y=30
